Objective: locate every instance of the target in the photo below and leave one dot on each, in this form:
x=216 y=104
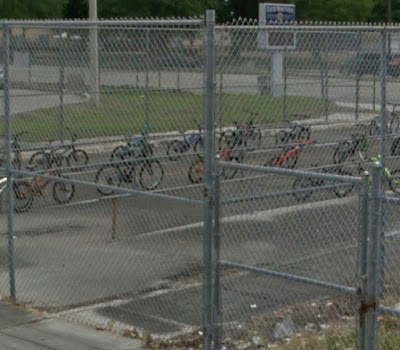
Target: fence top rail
x=293 y=172
x=101 y=23
x=254 y=24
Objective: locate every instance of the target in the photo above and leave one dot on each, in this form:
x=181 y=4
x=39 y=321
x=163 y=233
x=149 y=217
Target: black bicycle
x=392 y=122
x=150 y=171
x=358 y=144
x=46 y=159
x=75 y=157
x=136 y=147
x=294 y=132
x=304 y=187
x=246 y=136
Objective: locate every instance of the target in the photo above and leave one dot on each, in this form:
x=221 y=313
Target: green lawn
x=124 y=113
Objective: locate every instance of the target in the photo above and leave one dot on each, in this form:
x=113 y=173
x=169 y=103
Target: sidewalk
x=20 y=330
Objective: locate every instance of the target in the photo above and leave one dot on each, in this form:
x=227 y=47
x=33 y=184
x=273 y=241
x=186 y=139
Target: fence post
x=357 y=96
x=209 y=160
x=217 y=250
x=61 y=84
x=374 y=251
x=146 y=89
x=383 y=133
x=326 y=91
x=114 y=219
x=362 y=256
x=9 y=170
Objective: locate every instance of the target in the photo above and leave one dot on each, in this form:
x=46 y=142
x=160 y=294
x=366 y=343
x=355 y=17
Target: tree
x=23 y=9
x=76 y=9
x=379 y=11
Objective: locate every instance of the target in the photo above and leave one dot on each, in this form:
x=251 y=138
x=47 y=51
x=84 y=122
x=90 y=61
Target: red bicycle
x=288 y=158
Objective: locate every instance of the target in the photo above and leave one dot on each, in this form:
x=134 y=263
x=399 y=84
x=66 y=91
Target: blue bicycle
x=134 y=148
x=176 y=147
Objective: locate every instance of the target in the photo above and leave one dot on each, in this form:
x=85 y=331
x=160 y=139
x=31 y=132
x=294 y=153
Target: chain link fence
x=177 y=179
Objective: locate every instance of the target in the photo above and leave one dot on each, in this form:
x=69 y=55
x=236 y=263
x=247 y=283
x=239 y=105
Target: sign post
x=275 y=40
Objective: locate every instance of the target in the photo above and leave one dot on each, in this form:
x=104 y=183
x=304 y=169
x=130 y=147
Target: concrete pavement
x=20 y=330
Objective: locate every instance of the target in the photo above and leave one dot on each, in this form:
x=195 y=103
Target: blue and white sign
x=275 y=13
x=272 y=37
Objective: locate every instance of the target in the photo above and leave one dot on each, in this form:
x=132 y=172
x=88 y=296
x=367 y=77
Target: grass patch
x=125 y=112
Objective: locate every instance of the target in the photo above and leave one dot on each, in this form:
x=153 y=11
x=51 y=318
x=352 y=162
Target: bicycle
x=196 y=169
x=25 y=191
x=151 y=173
x=16 y=149
x=194 y=140
x=303 y=186
x=391 y=176
x=45 y=159
x=348 y=148
x=392 y=122
x=75 y=157
x=136 y=147
x=294 y=132
x=289 y=157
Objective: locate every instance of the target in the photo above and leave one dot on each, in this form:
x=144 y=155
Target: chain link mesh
x=107 y=155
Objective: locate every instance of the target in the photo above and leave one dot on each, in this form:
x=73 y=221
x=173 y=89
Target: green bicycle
x=392 y=176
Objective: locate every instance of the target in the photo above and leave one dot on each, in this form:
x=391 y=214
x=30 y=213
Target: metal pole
x=61 y=86
x=221 y=99
x=362 y=256
x=94 y=55
x=146 y=92
x=372 y=298
x=383 y=114
x=374 y=93
x=9 y=171
x=208 y=181
x=357 y=96
x=284 y=86
x=326 y=92
x=217 y=250
x=114 y=219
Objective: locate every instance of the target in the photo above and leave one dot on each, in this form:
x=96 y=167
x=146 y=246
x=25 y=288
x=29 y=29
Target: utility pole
x=94 y=55
x=389 y=20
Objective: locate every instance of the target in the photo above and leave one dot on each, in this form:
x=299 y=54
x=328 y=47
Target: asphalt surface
x=136 y=261
x=21 y=329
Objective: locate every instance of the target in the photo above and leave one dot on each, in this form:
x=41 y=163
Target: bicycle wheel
x=394 y=124
x=77 y=158
x=108 y=175
x=23 y=196
x=299 y=186
x=281 y=137
x=253 y=142
x=39 y=161
x=198 y=147
x=303 y=135
x=290 y=162
x=363 y=150
x=63 y=192
x=224 y=142
x=342 y=152
x=343 y=189
x=150 y=175
x=395 y=147
x=196 y=171
x=118 y=154
x=394 y=181
x=374 y=128
x=230 y=173
x=174 y=148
